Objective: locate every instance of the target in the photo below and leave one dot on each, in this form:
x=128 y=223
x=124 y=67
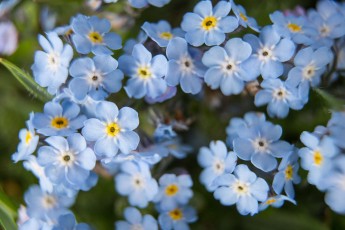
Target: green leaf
x=26 y=80
x=331 y=101
x=8 y=213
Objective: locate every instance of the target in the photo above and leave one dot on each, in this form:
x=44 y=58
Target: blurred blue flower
x=68 y=222
x=336 y=186
x=242 y=17
x=161 y=32
x=50 y=68
x=134 y=220
x=242 y=188
x=216 y=161
x=279 y=96
x=146 y=73
x=136 y=182
x=144 y=3
x=177 y=218
x=173 y=191
x=67 y=161
x=208 y=24
x=295 y=27
x=237 y=124
x=42 y=205
x=228 y=66
x=28 y=141
x=91 y=34
x=112 y=129
x=287 y=175
x=316 y=157
x=309 y=66
x=269 y=51
x=58 y=120
x=275 y=201
x=261 y=145
x=8 y=37
x=96 y=77
x=183 y=68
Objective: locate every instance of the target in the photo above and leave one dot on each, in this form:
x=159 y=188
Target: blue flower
x=335 y=189
x=208 y=25
x=261 y=145
x=336 y=128
x=112 y=129
x=243 y=188
x=67 y=162
x=279 y=96
x=28 y=142
x=269 y=51
x=68 y=222
x=42 y=205
x=96 y=77
x=134 y=220
x=146 y=73
x=176 y=148
x=294 y=27
x=317 y=158
x=329 y=22
x=91 y=34
x=136 y=182
x=58 y=120
x=275 y=201
x=242 y=17
x=177 y=218
x=287 y=175
x=144 y=3
x=228 y=68
x=216 y=161
x=50 y=68
x=8 y=38
x=309 y=66
x=173 y=191
x=161 y=32
x=183 y=69
x=237 y=124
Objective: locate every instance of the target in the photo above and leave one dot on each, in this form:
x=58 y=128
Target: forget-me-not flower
x=228 y=66
x=50 y=68
x=96 y=77
x=216 y=160
x=261 y=145
x=269 y=51
x=91 y=34
x=146 y=73
x=67 y=161
x=134 y=220
x=275 y=201
x=136 y=182
x=177 y=218
x=279 y=96
x=242 y=188
x=112 y=129
x=183 y=68
x=242 y=17
x=208 y=24
x=173 y=191
x=58 y=120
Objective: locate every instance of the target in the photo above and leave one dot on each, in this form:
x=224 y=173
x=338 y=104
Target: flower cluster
x=82 y=130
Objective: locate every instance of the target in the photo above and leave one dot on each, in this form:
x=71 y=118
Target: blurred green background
x=101 y=207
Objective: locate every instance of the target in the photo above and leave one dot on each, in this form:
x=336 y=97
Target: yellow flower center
x=28 y=137
x=271 y=201
x=294 y=27
x=176 y=214
x=318 y=158
x=209 y=23
x=171 y=190
x=95 y=37
x=144 y=72
x=244 y=17
x=166 y=35
x=288 y=172
x=112 y=129
x=59 y=122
